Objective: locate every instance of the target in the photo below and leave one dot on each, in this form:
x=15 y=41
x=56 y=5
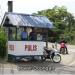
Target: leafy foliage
x=3 y=40
x=63 y=21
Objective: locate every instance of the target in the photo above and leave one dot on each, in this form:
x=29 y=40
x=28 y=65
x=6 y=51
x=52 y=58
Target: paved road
x=67 y=66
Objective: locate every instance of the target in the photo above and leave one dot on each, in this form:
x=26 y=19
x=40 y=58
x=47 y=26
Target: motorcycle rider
x=63 y=45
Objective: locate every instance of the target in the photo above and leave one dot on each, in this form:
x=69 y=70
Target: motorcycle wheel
x=56 y=58
x=62 y=51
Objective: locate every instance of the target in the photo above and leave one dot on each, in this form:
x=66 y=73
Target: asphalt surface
x=66 y=66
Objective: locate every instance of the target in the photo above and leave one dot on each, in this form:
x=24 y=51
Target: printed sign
x=26 y=47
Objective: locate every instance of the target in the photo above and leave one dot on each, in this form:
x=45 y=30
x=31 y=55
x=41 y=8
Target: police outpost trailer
x=14 y=24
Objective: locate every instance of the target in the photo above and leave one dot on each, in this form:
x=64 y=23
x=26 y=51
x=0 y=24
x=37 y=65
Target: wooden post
x=47 y=39
x=16 y=33
x=6 y=51
x=6 y=59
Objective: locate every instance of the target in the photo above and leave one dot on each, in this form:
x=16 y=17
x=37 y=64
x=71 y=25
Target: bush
x=3 y=40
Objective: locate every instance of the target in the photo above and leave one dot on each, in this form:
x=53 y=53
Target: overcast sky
x=32 y=6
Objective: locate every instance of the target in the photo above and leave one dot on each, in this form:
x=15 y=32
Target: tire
x=56 y=58
x=62 y=51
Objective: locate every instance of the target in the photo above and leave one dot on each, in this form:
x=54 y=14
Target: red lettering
x=34 y=47
x=11 y=47
x=26 y=46
x=30 y=47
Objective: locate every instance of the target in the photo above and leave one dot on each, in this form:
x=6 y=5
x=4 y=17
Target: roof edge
x=23 y=14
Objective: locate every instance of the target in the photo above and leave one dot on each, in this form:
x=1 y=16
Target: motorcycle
x=52 y=55
x=63 y=50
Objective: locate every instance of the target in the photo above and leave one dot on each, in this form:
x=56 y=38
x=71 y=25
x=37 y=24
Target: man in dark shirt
x=33 y=35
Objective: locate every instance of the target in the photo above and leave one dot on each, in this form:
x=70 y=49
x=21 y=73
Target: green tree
x=3 y=40
x=63 y=21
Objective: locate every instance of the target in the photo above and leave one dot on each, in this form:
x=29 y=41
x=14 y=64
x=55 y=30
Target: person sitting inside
x=32 y=35
x=39 y=37
x=24 y=35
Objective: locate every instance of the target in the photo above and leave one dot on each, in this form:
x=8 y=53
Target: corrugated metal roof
x=28 y=20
